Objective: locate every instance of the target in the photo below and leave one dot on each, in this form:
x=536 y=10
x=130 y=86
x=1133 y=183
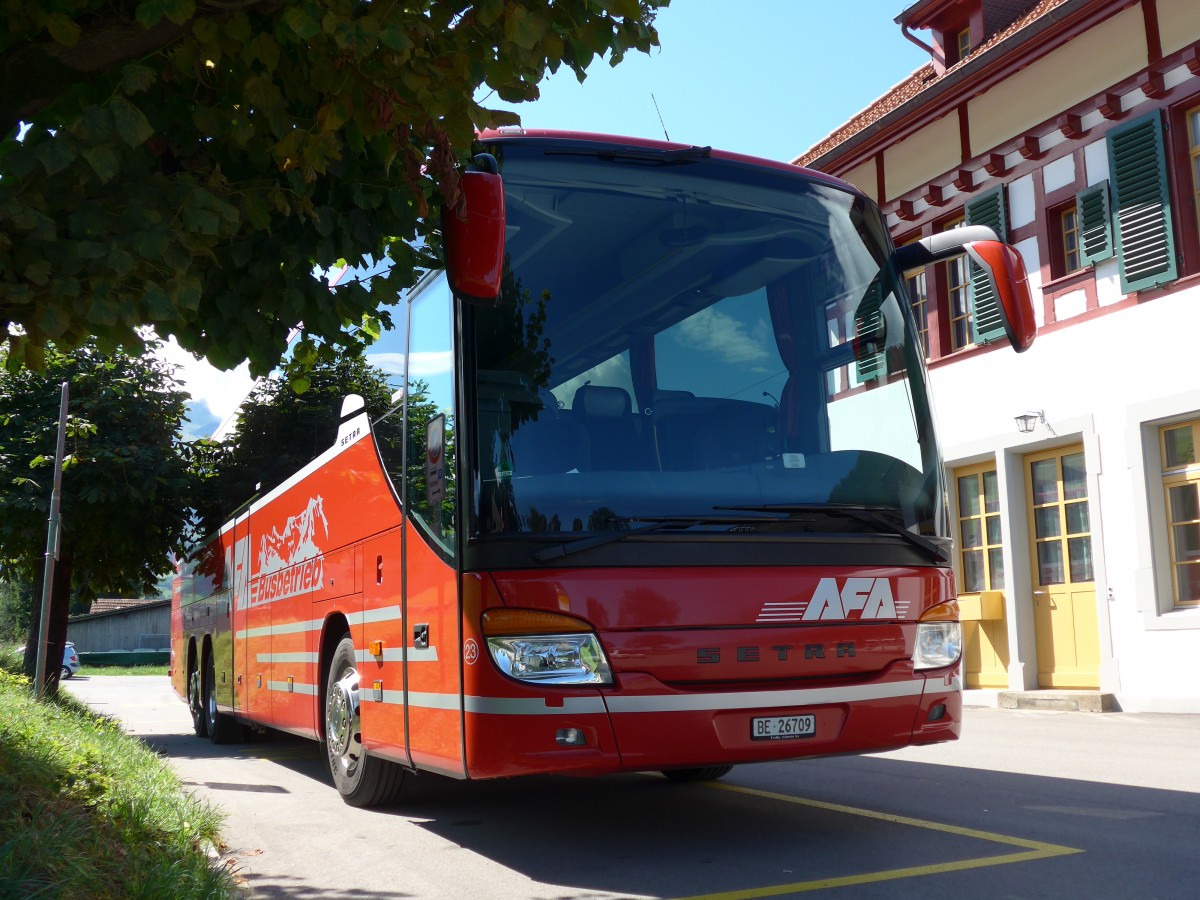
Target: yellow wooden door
x=1064 y=588
x=981 y=568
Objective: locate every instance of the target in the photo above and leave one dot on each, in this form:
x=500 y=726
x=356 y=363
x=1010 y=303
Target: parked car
x=70 y=660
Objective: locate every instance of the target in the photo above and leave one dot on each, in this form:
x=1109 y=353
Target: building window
x=958 y=295
x=1068 y=221
x=1181 y=482
x=981 y=546
x=964 y=44
x=918 y=298
x=1066 y=254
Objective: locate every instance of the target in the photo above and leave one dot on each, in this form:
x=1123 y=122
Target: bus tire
x=221 y=729
x=707 y=773
x=361 y=779
x=195 y=696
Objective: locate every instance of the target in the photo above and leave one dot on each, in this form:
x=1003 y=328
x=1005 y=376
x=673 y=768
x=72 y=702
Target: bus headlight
x=939 y=644
x=551 y=658
x=939 y=637
x=545 y=647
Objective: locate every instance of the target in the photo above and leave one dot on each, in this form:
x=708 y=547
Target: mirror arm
x=942 y=245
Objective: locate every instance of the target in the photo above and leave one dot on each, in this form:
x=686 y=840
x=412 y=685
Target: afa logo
x=858 y=598
x=844 y=600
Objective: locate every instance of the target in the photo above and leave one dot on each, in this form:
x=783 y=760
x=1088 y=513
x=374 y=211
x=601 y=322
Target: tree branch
x=36 y=73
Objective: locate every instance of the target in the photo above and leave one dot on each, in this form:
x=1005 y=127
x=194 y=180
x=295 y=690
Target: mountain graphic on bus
x=295 y=543
x=289 y=561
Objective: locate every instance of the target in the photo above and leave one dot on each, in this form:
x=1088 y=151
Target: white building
x=1073 y=127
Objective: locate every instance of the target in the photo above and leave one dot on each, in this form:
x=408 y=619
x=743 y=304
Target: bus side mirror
x=998 y=272
x=1004 y=269
x=473 y=234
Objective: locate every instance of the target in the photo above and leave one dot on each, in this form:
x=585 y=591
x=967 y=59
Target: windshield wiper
x=652 y=524
x=869 y=515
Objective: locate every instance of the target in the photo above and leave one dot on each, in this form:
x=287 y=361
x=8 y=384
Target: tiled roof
x=113 y=603
x=911 y=87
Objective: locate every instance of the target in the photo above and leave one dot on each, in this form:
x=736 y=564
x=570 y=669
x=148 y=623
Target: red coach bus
x=661 y=491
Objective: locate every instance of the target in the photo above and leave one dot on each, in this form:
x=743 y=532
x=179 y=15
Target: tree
x=190 y=162
x=126 y=486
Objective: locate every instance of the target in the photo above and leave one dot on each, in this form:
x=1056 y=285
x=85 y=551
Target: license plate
x=782 y=728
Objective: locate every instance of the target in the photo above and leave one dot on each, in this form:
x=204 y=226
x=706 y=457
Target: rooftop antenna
x=660 y=118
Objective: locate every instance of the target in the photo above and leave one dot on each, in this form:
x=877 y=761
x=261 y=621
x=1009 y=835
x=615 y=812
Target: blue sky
x=768 y=78
x=764 y=77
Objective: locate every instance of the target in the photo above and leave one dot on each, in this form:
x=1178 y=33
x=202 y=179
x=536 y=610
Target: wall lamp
x=1026 y=422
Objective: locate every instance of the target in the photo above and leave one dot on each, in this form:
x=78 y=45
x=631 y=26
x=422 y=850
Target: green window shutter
x=986 y=321
x=870 y=332
x=1141 y=204
x=1095 y=224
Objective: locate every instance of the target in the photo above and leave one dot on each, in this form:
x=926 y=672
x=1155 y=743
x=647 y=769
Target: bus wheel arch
x=361 y=779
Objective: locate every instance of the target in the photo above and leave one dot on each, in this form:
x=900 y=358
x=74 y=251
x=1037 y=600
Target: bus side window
x=430 y=416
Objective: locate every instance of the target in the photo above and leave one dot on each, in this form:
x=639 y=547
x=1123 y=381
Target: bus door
x=381 y=664
x=432 y=609
x=251 y=629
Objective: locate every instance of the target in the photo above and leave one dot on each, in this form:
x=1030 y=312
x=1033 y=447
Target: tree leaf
x=301 y=22
x=136 y=78
x=130 y=122
x=39 y=271
x=56 y=154
x=105 y=162
x=62 y=29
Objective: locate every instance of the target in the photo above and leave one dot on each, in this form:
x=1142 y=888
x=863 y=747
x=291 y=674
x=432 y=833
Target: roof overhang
x=972 y=74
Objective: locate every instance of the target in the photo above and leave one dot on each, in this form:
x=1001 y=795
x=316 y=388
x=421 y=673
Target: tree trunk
x=60 y=610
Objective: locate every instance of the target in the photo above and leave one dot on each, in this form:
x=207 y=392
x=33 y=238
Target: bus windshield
x=679 y=335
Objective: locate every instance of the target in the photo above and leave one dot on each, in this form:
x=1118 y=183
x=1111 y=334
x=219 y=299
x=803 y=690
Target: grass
x=87 y=811
x=125 y=670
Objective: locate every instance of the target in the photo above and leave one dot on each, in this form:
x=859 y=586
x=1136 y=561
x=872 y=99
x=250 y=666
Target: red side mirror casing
x=474 y=238
x=1006 y=271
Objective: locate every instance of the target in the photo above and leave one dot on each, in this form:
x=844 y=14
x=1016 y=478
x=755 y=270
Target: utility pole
x=52 y=543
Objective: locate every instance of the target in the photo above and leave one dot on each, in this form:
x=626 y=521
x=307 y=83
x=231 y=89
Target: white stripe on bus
x=287 y=657
x=536 y=706
x=295 y=688
x=764 y=699
x=386 y=614
x=428 y=654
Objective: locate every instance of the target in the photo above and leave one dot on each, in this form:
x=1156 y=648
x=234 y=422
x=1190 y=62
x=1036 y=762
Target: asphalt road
x=1028 y=804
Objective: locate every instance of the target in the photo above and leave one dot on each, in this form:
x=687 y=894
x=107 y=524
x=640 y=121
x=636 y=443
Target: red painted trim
x=880 y=179
x=961 y=177
x=1153 y=40
x=1179 y=166
x=964 y=133
x=1084 y=279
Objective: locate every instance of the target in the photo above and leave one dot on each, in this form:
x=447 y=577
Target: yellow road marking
x=1032 y=850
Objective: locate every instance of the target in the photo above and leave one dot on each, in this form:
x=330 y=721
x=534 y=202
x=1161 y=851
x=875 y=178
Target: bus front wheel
x=361 y=779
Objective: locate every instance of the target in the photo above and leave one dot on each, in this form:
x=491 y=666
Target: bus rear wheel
x=196 y=703
x=707 y=773
x=361 y=779
x=219 y=726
